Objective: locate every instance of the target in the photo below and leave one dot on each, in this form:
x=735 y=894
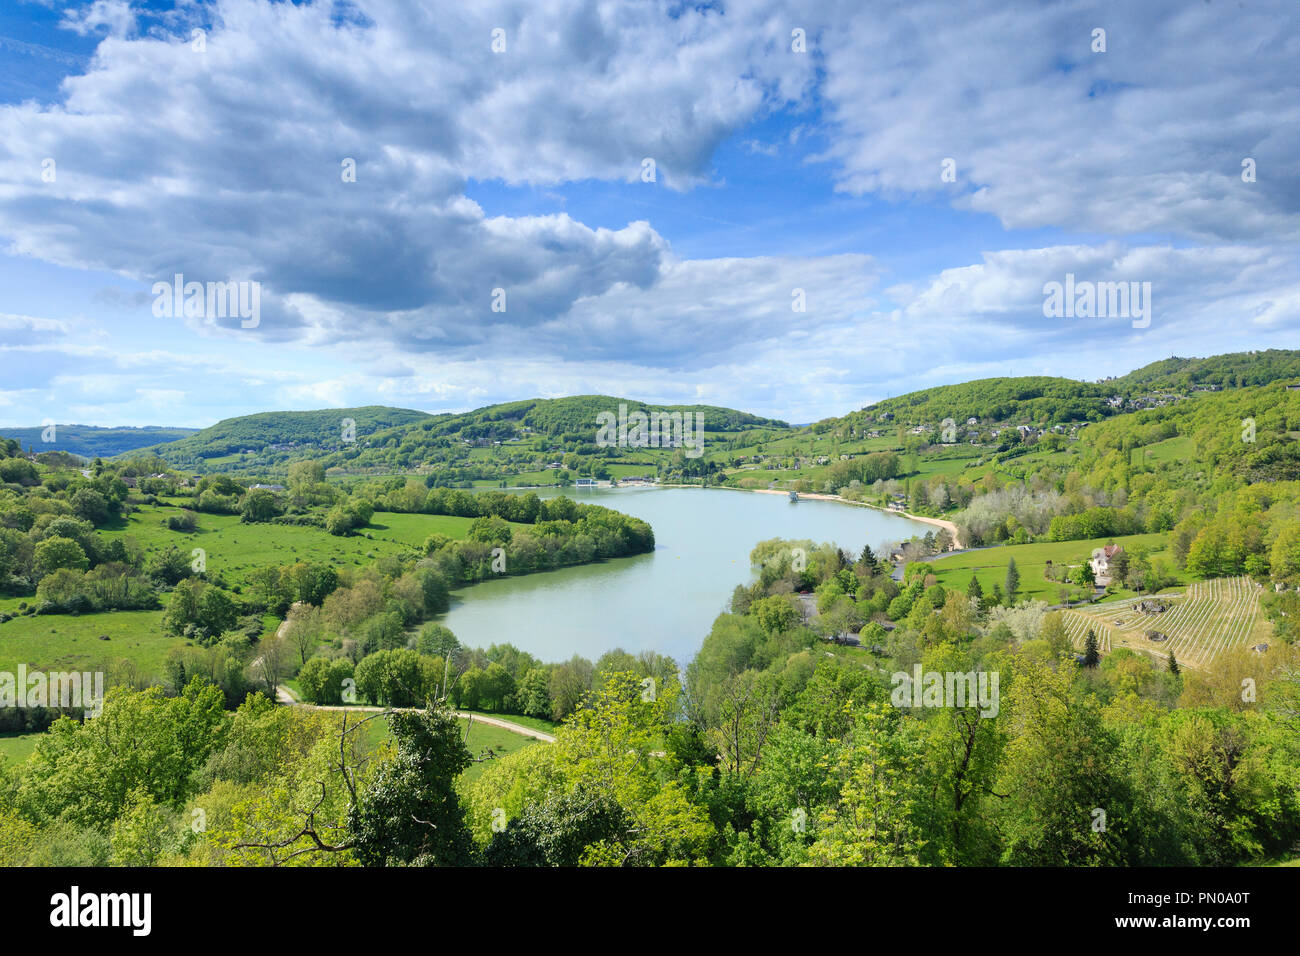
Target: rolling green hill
x=1234 y=370
x=573 y=416
x=1032 y=399
x=90 y=441
x=321 y=430
x=532 y=431
x=1044 y=400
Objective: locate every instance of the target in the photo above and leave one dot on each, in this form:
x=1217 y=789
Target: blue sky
x=521 y=169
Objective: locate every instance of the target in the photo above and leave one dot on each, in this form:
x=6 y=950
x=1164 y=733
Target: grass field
x=1180 y=448
x=1211 y=617
x=16 y=748
x=62 y=642
x=990 y=564
x=485 y=741
x=535 y=723
x=234 y=549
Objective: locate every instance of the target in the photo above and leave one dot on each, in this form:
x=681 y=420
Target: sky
x=792 y=209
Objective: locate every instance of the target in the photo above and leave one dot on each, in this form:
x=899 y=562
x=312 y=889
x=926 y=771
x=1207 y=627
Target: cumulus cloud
x=1148 y=136
x=226 y=160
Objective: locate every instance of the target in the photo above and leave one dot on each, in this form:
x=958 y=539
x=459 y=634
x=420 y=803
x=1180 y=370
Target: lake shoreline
x=817 y=496
x=948 y=526
x=666 y=601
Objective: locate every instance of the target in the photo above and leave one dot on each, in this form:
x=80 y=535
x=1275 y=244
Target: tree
x=59 y=552
x=558 y=831
x=139 y=835
x=310 y=582
x=87 y=773
x=775 y=614
x=437 y=640
x=1065 y=801
x=169 y=566
x=1173 y=664
x=89 y=505
x=204 y=607
x=321 y=679
x=534 y=693
x=1091 y=652
x=272 y=663
x=305 y=630
x=1284 y=558
x=871 y=821
x=1054 y=633
x=975 y=589
x=411 y=814
x=1013 y=580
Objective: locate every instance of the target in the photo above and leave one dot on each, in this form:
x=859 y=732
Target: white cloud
x=1148 y=136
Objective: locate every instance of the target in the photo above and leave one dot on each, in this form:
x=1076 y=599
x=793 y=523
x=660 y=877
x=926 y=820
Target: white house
x=1102 y=562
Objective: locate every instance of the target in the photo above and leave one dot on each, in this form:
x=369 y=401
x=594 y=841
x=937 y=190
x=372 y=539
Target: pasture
x=234 y=549
x=62 y=642
x=989 y=565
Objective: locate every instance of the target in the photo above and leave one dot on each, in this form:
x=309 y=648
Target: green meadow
x=989 y=565
x=64 y=642
x=486 y=742
x=234 y=549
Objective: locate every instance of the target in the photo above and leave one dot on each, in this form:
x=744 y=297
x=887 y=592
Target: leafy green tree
x=558 y=831
x=775 y=614
x=1066 y=801
x=437 y=640
x=141 y=833
x=90 y=505
x=169 y=566
x=872 y=819
x=1284 y=558
x=1013 y=581
x=321 y=679
x=410 y=814
x=86 y=773
x=59 y=552
x=534 y=693
x=975 y=589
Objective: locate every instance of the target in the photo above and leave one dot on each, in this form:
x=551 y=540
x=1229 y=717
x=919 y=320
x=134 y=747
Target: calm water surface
x=665 y=601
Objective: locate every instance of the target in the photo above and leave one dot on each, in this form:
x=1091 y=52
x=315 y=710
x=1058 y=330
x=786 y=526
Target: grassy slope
x=990 y=564
x=233 y=549
x=62 y=642
x=481 y=738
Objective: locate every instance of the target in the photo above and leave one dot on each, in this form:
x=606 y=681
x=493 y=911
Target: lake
x=665 y=601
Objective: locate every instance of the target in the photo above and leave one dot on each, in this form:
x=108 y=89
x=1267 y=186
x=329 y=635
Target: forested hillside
x=1030 y=399
x=322 y=428
x=90 y=441
x=1235 y=370
x=1044 y=400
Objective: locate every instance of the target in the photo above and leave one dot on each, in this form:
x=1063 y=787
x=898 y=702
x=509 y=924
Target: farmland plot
x=1211 y=617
